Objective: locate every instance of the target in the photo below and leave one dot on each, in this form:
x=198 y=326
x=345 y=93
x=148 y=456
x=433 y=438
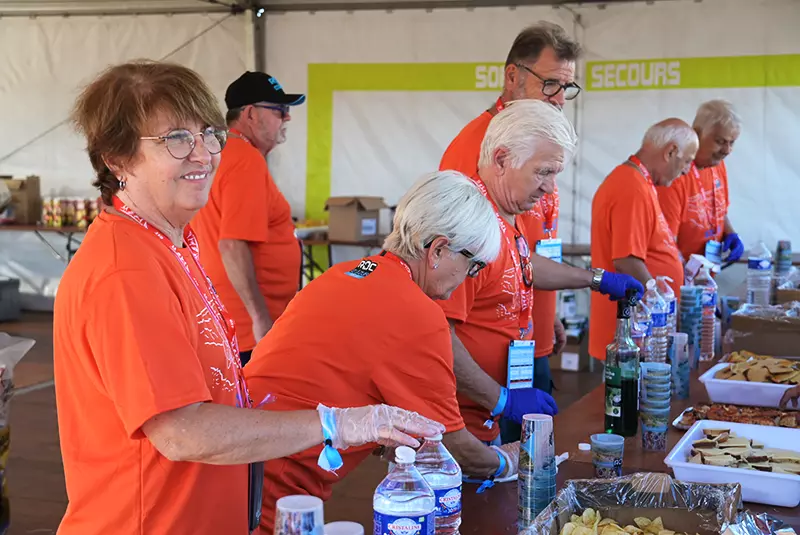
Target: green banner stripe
x=694 y=73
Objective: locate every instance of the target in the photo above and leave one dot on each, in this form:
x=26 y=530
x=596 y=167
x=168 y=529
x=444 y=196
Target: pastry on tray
x=724 y=448
x=746 y=366
x=742 y=415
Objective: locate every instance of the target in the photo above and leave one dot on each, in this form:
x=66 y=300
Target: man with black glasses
x=247 y=238
x=539 y=66
x=525 y=147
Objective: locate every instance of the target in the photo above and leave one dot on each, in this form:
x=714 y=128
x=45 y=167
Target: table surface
x=495 y=511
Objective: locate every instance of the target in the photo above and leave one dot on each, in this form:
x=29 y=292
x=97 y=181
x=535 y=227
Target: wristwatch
x=597 y=278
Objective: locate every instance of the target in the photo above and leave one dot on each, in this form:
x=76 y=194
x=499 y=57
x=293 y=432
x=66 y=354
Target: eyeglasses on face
x=475 y=266
x=181 y=142
x=282 y=109
x=551 y=88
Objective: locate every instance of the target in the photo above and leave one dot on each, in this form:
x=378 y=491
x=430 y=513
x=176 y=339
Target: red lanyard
x=395 y=258
x=710 y=208
x=643 y=170
x=217 y=311
x=236 y=133
x=525 y=296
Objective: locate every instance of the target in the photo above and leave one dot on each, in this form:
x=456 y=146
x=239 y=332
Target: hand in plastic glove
x=733 y=244
x=528 y=401
x=386 y=425
x=510 y=452
x=615 y=285
x=793 y=394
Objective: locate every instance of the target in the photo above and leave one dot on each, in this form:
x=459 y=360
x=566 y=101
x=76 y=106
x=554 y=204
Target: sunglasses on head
x=475 y=266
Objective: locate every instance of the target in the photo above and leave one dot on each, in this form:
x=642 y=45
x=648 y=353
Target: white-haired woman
x=368 y=332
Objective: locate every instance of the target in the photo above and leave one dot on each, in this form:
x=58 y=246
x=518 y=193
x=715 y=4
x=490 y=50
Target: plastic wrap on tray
x=763 y=524
x=786 y=312
x=622 y=499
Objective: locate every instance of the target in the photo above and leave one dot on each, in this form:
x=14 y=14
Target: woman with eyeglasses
x=156 y=423
x=369 y=331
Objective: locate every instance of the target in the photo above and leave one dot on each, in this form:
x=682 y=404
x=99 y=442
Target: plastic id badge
x=550 y=249
x=520 y=364
x=714 y=251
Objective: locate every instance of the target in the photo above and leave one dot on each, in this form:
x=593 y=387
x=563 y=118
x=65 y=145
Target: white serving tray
x=781 y=490
x=741 y=392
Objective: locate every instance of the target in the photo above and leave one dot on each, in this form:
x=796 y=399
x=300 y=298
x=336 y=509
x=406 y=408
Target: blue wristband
x=329 y=458
x=489 y=483
x=499 y=408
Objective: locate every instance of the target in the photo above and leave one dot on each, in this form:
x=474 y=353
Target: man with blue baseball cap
x=247 y=237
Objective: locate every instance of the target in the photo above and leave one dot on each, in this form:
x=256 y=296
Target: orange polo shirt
x=245 y=204
x=627 y=221
x=352 y=338
x=462 y=155
x=695 y=207
x=132 y=339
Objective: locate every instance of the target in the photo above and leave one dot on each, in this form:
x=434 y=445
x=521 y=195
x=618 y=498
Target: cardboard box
x=353 y=219
x=764 y=336
x=787 y=296
x=26 y=199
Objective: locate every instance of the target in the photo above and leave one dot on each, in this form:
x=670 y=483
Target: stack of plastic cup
x=679 y=359
x=607 y=453
x=537 y=467
x=654 y=405
x=690 y=320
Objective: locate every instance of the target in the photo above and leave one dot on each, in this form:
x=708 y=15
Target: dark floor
x=35 y=474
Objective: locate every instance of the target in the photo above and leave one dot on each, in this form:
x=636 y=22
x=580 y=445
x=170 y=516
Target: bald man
x=629 y=232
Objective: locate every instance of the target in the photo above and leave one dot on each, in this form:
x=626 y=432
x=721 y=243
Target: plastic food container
x=782 y=490
x=741 y=392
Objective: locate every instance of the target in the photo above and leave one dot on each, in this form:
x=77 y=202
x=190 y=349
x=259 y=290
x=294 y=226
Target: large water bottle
x=708 y=301
x=759 y=275
x=404 y=502
x=642 y=331
x=663 y=285
x=658 y=312
x=443 y=474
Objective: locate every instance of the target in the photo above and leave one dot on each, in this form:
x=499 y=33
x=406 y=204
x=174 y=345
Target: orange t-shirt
x=131 y=340
x=695 y=206
x=462 y=155
x=627 y=221
x=245 y=204
x=352 y=338
x=487 y=310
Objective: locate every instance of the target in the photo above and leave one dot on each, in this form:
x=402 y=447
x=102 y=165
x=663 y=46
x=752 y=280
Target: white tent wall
x=383 y=140
x=45 y=61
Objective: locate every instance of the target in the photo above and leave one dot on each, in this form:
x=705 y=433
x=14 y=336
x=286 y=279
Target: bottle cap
x=435 y=437
x=405 y=455
x=583 y=446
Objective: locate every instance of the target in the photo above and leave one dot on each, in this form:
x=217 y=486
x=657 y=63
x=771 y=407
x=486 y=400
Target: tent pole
x=259 y=18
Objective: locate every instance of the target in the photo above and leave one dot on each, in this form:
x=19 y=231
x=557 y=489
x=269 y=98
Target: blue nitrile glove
x=615 y=285
x=528 y=401
x=733 y=244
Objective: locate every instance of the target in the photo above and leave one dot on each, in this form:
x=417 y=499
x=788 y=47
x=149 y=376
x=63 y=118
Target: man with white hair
x=540 y=66
x=629 y=232
x=525 y=147
x=696 y=205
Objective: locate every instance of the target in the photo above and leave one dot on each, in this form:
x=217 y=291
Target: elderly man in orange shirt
x=539 y=66
x=629 y=232
x=696 y=205
x=246 y=233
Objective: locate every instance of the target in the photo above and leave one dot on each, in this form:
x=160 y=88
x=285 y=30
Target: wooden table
x=495 y=511
x=39 y=231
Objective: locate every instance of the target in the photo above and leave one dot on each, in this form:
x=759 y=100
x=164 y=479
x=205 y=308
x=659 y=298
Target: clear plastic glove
x=510 y=453
x=615 y=285
x=524 y=401
x=386 y=425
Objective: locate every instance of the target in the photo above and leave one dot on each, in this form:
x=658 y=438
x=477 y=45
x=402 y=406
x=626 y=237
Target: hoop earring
x=122 y=184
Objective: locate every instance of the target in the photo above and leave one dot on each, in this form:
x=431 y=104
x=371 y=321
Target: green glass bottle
x=622 y=373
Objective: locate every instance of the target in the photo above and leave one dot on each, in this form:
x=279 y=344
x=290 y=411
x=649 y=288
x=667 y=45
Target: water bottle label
x=448 y=501
x=759 y=264
x=672 y=307
x=709 y=299
x=659 y=320
x=404 y=525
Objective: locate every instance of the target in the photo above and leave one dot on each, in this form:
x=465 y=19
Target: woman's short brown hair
x=114 y=111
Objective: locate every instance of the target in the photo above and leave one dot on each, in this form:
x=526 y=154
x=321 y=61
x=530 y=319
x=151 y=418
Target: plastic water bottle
x=404 y=503
x=709 y=304
x=663 y=284
x=658 y=312
x=443 y=474
x=642 y=331
x=759 y=275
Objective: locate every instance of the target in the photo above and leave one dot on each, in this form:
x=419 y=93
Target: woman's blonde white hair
x=716 y=113
x=446 y=204
x=521 y=126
